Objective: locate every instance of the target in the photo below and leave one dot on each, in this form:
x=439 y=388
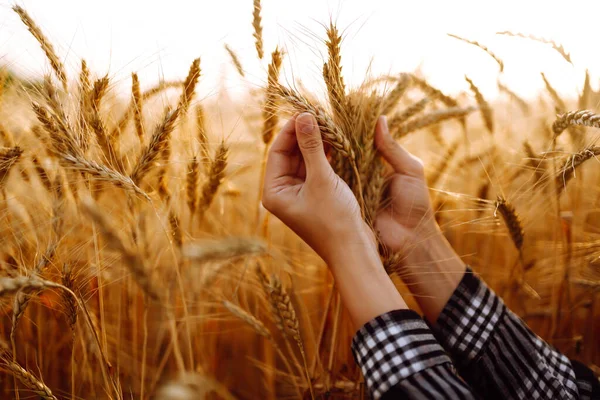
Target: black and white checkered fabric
x=496 y=354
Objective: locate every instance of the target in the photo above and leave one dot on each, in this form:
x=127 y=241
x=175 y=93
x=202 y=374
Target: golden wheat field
x=137 y=262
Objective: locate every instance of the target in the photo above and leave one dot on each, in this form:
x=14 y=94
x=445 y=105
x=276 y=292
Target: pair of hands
x=303 y=191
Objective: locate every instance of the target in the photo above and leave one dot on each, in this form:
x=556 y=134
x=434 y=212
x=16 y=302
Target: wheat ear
x=47 y=47
x=484 y=106
x=215 y=176
x=567 y=172
x=575 y=118
x=235 y=60
x=114 y=241
x=482 y=47
x=223 y=249
x=27 y=378
x=256 y=24
x=556 y=46
x=512 y=221
x=270 y=118
x=137 y=104
x=431 y=118
x=8 y=158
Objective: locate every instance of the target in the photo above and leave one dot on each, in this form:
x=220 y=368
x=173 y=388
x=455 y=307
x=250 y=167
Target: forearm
x=432 y=272
x=364 y=286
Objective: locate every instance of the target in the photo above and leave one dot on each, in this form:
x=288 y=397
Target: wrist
x=433 y=273
x=346 y=241
x=366 y=289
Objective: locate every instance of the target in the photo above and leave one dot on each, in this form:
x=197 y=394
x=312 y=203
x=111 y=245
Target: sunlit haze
x=159 y=40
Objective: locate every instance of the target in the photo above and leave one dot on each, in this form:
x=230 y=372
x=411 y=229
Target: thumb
x=311 y=145
x=401 y=161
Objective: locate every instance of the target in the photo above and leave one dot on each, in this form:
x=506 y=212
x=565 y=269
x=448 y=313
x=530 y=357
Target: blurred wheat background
x=136 y=260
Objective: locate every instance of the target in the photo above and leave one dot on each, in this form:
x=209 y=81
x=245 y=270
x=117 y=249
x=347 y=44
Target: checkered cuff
x=468 y=319
x=393 y=347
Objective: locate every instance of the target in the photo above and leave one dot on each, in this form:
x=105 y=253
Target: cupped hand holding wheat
x=302 y=189
x=304 y=192
x=406 y=217
x=416 y=249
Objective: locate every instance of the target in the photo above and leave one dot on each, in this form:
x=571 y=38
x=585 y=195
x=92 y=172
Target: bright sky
x=161 y=38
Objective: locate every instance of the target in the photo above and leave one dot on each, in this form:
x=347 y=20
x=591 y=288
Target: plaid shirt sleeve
x=400 y=358
x=499 y=356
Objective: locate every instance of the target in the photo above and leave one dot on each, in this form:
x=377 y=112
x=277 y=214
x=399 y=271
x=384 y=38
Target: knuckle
x=268 y=201
x=419 y=167
x=311 y=145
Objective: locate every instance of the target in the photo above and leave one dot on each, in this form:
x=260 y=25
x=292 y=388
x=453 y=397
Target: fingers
x=311 y=145
x=279 y=158
x=401 y=161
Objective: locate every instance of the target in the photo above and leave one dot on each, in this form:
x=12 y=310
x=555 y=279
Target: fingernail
x=306 y=122
x=384 y=123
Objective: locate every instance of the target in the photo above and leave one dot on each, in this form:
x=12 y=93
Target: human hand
x=406 y=222
x=304 y=192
